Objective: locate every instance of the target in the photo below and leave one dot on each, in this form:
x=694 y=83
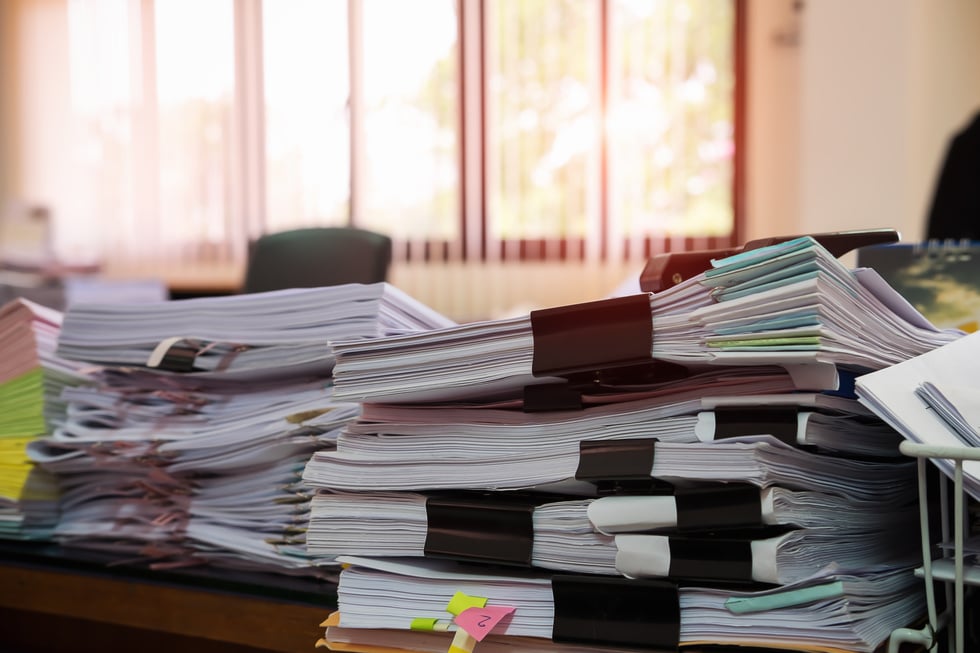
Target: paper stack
x=791 y=304
x=32 y=378
x=933 y=399
x=191 y=447
x=693 y=450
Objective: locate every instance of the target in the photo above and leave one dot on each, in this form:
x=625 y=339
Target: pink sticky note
x=480 y=621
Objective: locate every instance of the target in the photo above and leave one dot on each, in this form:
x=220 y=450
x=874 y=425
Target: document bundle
x=191 y=446
x=238 y=335
x=688 y=467
x=791 y=304
x=933 y=399
x=833 y=611
x=32 y=378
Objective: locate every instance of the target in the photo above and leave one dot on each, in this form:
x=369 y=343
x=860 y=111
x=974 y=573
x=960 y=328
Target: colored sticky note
x=785 y=599
x=461 y=602
x=421 y=623
x=478 y=621
x=463 y=642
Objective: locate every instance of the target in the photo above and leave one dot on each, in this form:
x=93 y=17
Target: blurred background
x=520 y=153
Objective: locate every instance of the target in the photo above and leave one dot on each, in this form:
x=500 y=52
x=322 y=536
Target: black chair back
x=317 y=256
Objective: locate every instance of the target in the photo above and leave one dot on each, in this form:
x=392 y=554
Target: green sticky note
x=423 y=624
x=787 y=599
x=461 y=601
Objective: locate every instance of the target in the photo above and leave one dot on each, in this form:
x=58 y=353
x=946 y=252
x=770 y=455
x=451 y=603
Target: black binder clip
x=592 y=336
x=581 y=342
x=551 y=397
x=620 y=466
x=710 y=559
x=480 y=528
x=611 y=611
x=718 y=506
x=777 y=421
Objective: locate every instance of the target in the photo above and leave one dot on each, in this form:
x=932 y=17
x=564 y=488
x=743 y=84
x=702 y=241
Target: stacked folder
x=191 y=447
x=698 y=450
x=32 y=378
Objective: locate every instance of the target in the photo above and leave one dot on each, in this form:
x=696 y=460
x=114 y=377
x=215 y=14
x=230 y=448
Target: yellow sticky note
x=461 y=601
x=463 y=642
x=423 y=624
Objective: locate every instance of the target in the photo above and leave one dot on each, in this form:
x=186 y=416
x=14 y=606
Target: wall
x=8 y=82
x=33 y=133
x=946 y=94
x=850 y=105
x=773 y=117
x=883 y=85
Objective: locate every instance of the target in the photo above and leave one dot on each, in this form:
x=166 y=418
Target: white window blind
x=473 y=129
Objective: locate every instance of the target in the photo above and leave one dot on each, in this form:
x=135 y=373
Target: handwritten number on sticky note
x=478 y=621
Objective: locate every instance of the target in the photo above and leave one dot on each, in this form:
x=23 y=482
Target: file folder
x=940 y=279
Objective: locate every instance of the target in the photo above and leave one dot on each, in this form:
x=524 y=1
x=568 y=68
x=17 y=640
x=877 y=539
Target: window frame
x=475 y=242
x=248 y=183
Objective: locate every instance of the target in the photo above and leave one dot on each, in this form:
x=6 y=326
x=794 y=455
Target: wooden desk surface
x=187 y=279
x=115 y=609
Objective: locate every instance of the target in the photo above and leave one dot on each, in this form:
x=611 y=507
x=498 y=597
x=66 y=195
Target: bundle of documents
x=837 y=610
x=760 y=460
x=179 y=458
x=191 y=471
x=31 y=380
x=703 y=434
x=791 y=304
x=385 y=640
x=933 y=399
x=286 y=330
x=611 y=535
x=822 y=421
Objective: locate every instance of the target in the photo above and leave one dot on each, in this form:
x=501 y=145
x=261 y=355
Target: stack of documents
x=832 y=611
x=791 y=304
x=284 y=330
x=799 y=533
x=700 y=443
x=432 y=447
x=191 y=447
x=31 y=381
x=206 y=475
x=933 y=399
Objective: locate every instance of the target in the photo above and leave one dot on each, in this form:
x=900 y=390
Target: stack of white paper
x=338 y=638
x=611 y=535
x=199 y=472
x=932 y=399
x=766 y=337
x=791 y=304
x=286 y=330
x=762 y=461
x=192 y=446
x=837 y=610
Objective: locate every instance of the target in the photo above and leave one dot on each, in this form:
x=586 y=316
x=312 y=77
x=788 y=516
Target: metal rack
x=948 y=568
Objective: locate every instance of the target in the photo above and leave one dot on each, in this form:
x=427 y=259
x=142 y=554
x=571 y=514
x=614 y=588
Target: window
x=480 y=129
x=307 y=127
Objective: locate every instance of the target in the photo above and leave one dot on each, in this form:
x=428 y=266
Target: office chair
x=316 y=256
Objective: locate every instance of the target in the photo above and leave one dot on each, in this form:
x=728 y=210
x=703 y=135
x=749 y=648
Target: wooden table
x=55 y=600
